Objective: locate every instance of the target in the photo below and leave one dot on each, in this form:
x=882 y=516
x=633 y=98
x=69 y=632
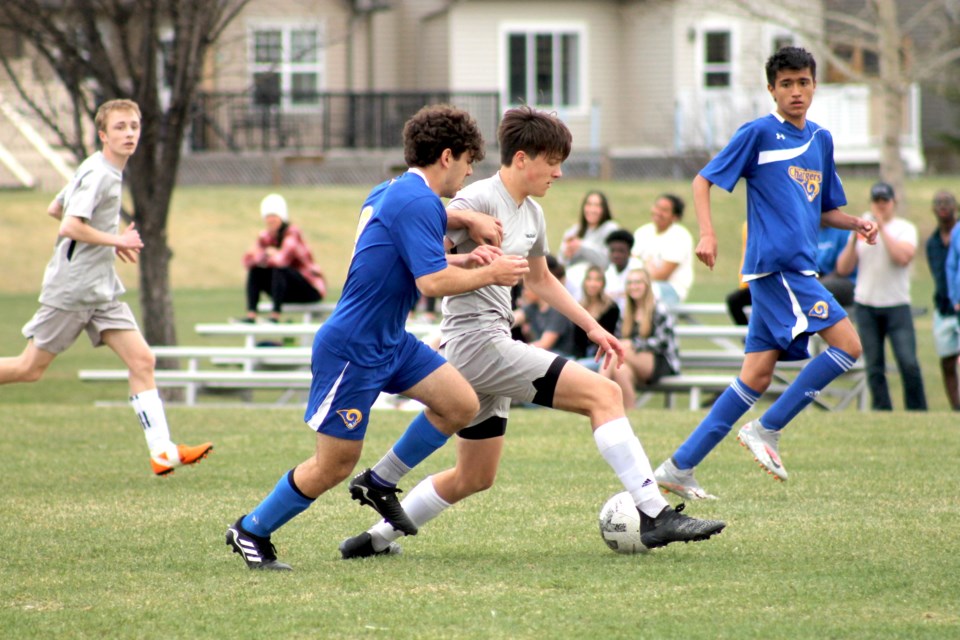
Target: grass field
x=861 y=543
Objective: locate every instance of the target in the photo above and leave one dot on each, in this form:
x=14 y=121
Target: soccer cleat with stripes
x=162 y=465
x=257 y=552
x=383 y=500
x=672 y=526
x=361 y=546
x=680 y=482
x=764 y=444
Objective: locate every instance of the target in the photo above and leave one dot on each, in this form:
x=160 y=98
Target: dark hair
x=792 y=59
x=437 y=127
x=533 y=132
x=604 y=211
x=620 y=235
x=676 y=203
x=554 y=267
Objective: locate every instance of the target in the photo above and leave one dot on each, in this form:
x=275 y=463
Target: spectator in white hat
x=280 y=263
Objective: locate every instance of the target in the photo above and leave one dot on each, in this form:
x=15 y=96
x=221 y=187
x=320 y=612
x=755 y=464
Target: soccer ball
x=620 y=524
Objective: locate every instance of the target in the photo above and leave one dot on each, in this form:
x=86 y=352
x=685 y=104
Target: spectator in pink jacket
x=280 y=263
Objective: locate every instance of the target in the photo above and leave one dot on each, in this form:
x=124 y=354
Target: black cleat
x=257 y=552
x=361 y=546
x=384 y=501
x=671 y=526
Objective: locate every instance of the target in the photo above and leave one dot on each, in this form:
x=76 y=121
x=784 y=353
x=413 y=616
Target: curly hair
x=437 y=127
x=533 y=132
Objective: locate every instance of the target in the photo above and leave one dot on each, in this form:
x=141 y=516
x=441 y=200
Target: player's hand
x=482 y=256
x=130 y=239
x=127 y=255
x=484 y=229
x=707 y=250
x=509 y=270
x=867 y=230
x=609 y=347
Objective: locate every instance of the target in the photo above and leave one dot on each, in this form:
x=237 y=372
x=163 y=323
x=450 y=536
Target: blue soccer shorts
x=342 y=392
x=787 y=308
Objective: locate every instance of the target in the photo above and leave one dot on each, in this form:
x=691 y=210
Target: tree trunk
x=893 y=93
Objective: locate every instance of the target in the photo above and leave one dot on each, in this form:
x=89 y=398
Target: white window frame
x=286 y=68
x=579 y=104
x=730 y=67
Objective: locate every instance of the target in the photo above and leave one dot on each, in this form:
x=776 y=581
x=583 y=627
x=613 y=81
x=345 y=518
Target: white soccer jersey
x=79 y=275
x=524 y=234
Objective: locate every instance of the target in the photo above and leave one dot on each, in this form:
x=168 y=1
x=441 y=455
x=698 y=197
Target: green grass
x=860 y=543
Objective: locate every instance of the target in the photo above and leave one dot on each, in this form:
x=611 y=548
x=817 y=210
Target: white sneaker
x=680 y=482
x=764 y=444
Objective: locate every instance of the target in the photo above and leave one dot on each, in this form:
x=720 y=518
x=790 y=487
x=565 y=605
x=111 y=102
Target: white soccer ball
x=620 y=524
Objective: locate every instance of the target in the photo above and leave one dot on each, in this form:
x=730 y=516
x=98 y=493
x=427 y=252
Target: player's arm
x=847 y=260
x=840 y=220
x=78 y=229
x=503 y=270
x=482 y=228
x=55 y=209
x=552 y=291
x=707 y=246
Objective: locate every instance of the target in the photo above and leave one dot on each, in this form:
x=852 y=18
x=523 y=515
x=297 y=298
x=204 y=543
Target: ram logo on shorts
x=351 y=417
x=820 y=310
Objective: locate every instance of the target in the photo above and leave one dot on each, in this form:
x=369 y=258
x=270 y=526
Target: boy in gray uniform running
x=81 y=287
x=476 y=340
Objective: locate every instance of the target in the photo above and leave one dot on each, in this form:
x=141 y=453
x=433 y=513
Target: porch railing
x=319 y=122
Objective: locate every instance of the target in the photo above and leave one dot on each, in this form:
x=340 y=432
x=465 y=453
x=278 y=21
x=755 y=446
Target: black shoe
x=672 y=526
x=257 y=552
x=384 y=501
x=361 y=546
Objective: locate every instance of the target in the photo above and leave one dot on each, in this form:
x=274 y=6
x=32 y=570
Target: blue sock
x=735 y=401
x=283 y=503
x=419 y=440
x=820 y=372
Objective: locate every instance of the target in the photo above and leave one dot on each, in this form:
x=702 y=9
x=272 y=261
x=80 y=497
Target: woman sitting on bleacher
x=604 y=310
x=650 y=346
x=279 y=263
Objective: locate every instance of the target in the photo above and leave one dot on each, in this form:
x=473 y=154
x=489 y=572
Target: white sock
x=422 y=504
x=149 y=409
x=623 y=452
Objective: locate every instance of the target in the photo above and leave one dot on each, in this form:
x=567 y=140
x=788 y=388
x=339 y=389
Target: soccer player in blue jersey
x=792 y=185
x=363 y=348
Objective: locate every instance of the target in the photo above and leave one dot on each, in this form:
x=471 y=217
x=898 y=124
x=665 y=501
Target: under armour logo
x=780 y=136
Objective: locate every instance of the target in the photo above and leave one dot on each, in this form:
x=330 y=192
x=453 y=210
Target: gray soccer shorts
x=54 y=330
x=501 y=369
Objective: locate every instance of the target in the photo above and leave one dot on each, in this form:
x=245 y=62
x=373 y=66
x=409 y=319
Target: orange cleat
x=162 y=465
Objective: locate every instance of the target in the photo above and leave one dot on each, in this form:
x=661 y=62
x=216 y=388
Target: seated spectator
x=583 y=244
x=604 y=310
x=543 y=326
x=619 y=244
x=650 y=346
x=665 y=248
x=280 y=264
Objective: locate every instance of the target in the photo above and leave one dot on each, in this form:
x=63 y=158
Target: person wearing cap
x=882 y=299
x=279 y=263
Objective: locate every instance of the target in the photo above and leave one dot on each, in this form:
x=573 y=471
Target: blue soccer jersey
x=791 y=179
x=402 y=241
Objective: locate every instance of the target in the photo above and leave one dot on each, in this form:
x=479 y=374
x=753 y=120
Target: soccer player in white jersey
x=81 y=287
x=476 y=339
x=792 y=185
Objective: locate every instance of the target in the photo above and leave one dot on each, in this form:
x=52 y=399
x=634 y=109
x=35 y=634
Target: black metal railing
x=319 y=122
